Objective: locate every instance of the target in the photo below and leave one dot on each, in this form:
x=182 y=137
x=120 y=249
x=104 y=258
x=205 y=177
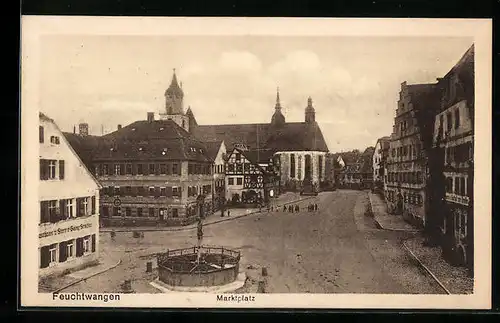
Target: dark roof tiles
x=291 y=136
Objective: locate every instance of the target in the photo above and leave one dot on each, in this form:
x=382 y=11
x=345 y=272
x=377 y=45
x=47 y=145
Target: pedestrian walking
x=297 y=209
x=228 y=213
x=315 y=207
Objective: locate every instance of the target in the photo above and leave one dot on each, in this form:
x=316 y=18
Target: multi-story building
x=153 y=172
x=407 y=161
x=249 y=176
x=217 y=153
x=69 y=205
x=454 y=133
x=299 y=147
x=366 y=168
x=379 y=159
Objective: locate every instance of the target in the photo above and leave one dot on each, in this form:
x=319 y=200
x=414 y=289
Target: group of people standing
x=295 y=208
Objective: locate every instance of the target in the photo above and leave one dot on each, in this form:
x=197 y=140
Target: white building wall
x=77 y=183
x=285 y=165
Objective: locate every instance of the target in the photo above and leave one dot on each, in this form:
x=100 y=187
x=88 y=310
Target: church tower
x=278 y=119
x=174 y=104
x=310 y=113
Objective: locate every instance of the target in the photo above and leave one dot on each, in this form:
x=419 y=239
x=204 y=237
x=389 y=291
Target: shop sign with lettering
x=59 y=231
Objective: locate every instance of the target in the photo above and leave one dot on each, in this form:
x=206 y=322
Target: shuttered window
x=62 y=252
x=41 y=134
x=44 y=169
x=93 y=205
x=61 y=169
x=44 y=212
x=79 y=247
x=93 y=242
x=44 y=256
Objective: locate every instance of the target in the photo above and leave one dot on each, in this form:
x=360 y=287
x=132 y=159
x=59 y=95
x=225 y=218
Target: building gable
x=78 y=180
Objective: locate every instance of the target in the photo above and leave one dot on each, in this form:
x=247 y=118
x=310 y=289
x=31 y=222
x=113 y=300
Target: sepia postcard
x=255 y=163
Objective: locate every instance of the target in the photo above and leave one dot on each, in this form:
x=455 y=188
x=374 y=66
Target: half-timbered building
x=249 y=176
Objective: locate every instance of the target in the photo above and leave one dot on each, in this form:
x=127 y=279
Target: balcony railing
x=459 y=199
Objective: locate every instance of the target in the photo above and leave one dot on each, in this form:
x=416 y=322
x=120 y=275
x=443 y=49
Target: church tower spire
x=278 y=104
x=174 y=97
x=174 y=104
x=278 y=118
x=310 y=113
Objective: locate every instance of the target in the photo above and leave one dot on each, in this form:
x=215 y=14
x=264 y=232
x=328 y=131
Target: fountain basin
x=217 y=266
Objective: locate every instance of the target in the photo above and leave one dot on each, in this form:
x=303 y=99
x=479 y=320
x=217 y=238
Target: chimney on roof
x=83 y=129
x=151 y=116
x=119 y=126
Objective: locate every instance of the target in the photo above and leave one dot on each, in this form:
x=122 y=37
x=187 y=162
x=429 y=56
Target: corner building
x=153 y=172
x=69 y=205
x=454 y=132
x=407 y=160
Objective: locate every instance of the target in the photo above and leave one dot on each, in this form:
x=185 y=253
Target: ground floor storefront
x=67 y=245
x=457 y=240
x=410 y=202
x=155 y=213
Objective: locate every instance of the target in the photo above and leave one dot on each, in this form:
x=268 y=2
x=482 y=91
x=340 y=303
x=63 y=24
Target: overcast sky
x=354 y=82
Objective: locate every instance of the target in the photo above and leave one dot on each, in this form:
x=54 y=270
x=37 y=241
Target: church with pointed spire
x=174 y=106
x=299 y=148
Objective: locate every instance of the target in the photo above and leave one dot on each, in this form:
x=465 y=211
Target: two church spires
x=174 y=96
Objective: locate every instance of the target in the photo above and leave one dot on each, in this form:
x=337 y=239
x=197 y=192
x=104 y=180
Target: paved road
x=335 y=250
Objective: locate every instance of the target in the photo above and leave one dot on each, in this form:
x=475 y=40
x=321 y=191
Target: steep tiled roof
x=384 y=142
x=291 y=136
x=349 y=157
x=257 y=156
x=142 y=140
x=213 y=148
x=158 y=139
x=84 y=146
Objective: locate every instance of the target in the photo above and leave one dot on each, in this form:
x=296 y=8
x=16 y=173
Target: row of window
x=407 y=198
x=51 y=169
x=459 y=154
x=219 y=183
x=458 y=185
x=199 y=169
x=405 y=178
x=240 y=168
x=137 y=169
x=154 y=191
x=449 y=121
x=53 y=139
x=410 y=151
x=219 y=169
x=230 y=181
x=67 y=250
x=307 y=165
x=53 y=211
x=139 y=212
x=459 y=223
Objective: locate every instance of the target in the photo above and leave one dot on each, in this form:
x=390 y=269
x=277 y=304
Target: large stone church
x=298 y=148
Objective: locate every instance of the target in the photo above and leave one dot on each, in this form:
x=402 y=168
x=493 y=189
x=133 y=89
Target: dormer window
x=54 y=140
